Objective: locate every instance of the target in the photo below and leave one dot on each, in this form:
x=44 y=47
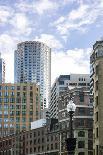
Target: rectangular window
x=97 y=150
x=96 y=70
x=96 y=85
x=96 y=100
x=96 y=116
x=96 y=132
x=81 y=96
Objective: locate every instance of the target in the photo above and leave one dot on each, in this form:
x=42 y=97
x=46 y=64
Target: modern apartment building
x=83 y=119
x=2 y=70
x=33 y=64
x=61 y=84
x=19 y=106
x=96 y=85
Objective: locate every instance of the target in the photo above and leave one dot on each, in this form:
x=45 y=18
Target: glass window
x=18 y=87
x=1 y=100
x=0 y=93
x=81 y=96
x=81 y=153
x=12 y=93
x=6 y=87
x=81 y=144
x=81 y=134
x=12 y=87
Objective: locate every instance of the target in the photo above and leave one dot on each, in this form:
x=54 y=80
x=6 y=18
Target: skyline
x=59 y=24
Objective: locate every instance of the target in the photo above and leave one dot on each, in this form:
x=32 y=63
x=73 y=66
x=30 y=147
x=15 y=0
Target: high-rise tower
x=96 y=88
x=33 y=64
x=2 y=70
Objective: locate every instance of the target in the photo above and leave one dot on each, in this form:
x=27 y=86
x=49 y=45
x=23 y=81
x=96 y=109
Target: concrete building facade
x=96 y=62
x=19 y=106
x=33 y=64
x=61 y=84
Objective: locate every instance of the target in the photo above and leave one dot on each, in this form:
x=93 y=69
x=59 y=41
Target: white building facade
x=2 y=70
x=33 y=64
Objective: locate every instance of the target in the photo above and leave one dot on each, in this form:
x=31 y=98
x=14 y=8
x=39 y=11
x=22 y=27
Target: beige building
x=96 y=61
x=19 y=105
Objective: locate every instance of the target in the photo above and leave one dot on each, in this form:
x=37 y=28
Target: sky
x=68 y=27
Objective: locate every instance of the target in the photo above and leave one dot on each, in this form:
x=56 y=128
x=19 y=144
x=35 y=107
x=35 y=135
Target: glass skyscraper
x=33 y=64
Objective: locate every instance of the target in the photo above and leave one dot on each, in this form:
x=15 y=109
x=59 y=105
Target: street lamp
x=71 y=141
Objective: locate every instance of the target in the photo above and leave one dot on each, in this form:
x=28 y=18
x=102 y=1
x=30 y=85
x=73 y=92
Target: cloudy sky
x=69 y=27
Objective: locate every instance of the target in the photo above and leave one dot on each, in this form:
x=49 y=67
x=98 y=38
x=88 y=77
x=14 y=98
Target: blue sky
x=69 y=27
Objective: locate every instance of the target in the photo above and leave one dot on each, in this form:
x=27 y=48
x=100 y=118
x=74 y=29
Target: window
x=96 y=132
x=48 y=147
x=81 y=111
x=34 y=141
x=24 y=88
x=34 y=149
x=43 y=140
x=96 y=100
x=51 y=138
x=96 y=70
x=97 y=150
x=56 y=146
x=96 y=116
x=34 y=134
x=18 y=94
x=12 y=93
x=81 y=153
x=96 y=85
x=81 y=134
x=38 y=133
x=61 y=82
x=42 y=148
x=0 y=93
x=51 y=146
x=0 y=87
x=18 y=87
x=12 y=87
x=81 y=96
x=81 y=144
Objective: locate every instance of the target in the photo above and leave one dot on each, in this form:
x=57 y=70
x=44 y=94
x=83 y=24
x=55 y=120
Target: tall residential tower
x=2 y=70
x=33 y=64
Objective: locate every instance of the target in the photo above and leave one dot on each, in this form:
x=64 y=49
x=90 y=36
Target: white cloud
x=79 y=13
x=71 y=61
x=45 y=5
x=50 y=40
x=80 y=18
x=5 y=14
x=39 y=6
x=21 y=24
x=7 y=43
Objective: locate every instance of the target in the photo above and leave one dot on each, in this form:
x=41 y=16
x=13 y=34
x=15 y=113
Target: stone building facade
x=83 y=119
x=96 y=86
